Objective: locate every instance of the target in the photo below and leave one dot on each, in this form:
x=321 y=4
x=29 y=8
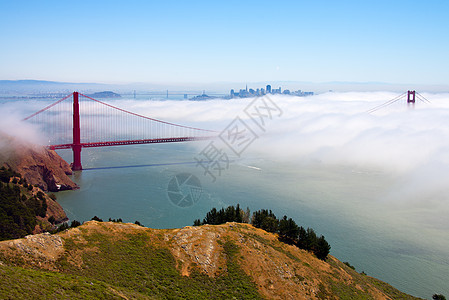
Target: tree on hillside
x=6 y=174
x=311 y=239
x=301 y=242
x=438 y=297
x=230 y=213
x=266 y=220
x=75 y=223
x=4 y=177
x=212 y=217
x=322 y=248
x=216 y=217
x=246 y=215
x=288 y=229
x=17 y=211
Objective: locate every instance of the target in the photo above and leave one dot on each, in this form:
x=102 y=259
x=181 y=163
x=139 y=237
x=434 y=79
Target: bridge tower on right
x=411 y=96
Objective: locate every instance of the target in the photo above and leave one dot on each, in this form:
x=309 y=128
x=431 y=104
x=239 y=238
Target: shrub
x=63 y=227
x=75 y=223
x=95 y=218
x=6 y=174
x=52 y=220
x=349 y=265
x=119 y=220
x=40 y=195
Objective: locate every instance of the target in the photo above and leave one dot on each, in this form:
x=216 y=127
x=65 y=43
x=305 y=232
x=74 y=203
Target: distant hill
x=126 y=261
x=105 y=94
x=29 y=82
x=26 y=87
x=203 y=97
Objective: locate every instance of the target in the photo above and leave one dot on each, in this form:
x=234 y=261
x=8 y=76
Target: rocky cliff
x=38 y=165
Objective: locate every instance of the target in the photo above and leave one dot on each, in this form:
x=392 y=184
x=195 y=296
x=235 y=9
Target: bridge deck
x=130 y=142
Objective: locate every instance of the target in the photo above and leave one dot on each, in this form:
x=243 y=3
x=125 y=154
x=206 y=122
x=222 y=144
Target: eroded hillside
x=221 y=261
x=37 y=164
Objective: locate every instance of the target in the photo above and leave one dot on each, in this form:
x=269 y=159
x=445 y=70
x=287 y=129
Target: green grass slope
x=125 y=261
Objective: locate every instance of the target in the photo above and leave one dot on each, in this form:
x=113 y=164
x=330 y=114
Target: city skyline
x=400 y=42
x=245 y=93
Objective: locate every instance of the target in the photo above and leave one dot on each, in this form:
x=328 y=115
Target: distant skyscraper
x=268 y=89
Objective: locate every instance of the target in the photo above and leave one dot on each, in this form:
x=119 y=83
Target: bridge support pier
x=76 y=165
x=76 y=146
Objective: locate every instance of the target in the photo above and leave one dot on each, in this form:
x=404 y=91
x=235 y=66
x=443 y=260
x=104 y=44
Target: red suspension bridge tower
x=411 y=96
x=76 y=146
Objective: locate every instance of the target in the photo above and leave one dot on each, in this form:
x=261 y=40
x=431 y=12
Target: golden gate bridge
x=410 y=96
x=86 y=122
x=78 y=121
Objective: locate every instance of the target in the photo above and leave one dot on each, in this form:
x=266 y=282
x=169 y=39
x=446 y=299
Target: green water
x=385 y=240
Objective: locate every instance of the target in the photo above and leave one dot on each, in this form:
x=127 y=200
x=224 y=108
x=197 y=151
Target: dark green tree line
x=289 y=232
x=287 y=229
x=217 y=217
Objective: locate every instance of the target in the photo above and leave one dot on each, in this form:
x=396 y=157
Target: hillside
x=24 y=208
x=38 y=165
x=127 y=261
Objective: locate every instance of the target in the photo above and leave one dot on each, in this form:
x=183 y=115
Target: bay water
x=371 y=217
x=343 y=204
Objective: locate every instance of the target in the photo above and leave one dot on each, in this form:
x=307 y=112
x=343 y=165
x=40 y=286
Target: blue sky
x=225 y=41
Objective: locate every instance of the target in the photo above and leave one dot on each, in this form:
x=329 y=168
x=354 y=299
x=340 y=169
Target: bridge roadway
x=129 y=142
